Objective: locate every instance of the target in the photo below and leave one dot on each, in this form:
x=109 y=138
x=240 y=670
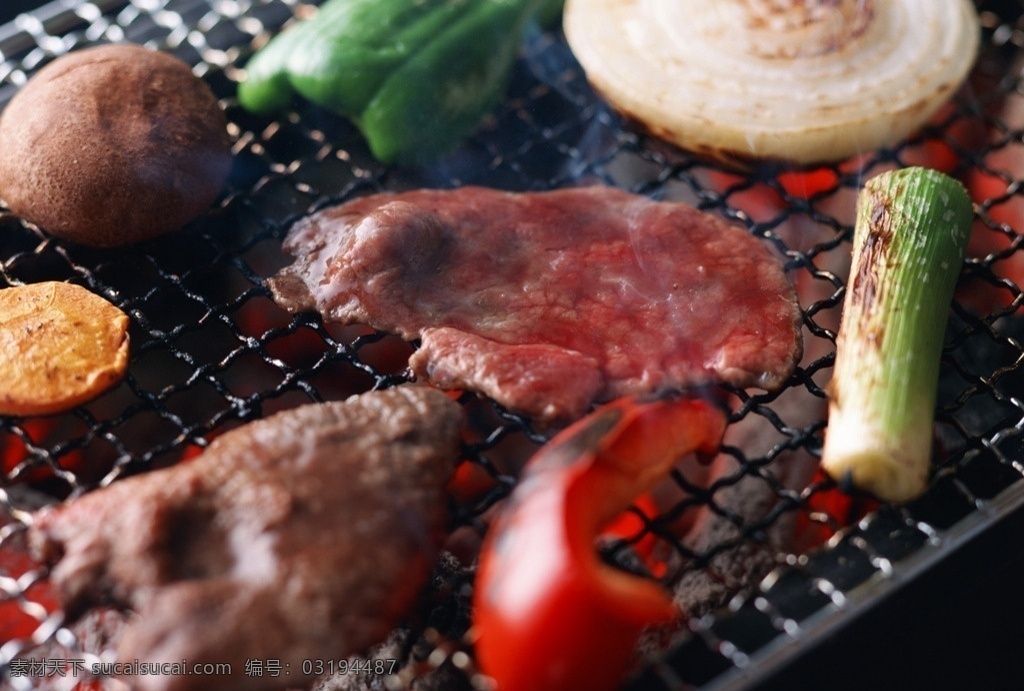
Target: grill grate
x=211 y=350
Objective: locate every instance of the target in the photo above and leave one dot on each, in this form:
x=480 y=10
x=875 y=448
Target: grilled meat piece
x=548 y=302
x=304 y=536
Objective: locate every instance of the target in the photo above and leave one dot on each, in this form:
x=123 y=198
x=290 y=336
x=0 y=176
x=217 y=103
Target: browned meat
x=547 y=302
x=304 y=536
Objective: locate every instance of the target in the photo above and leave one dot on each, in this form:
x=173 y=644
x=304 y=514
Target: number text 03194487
x=272 y=668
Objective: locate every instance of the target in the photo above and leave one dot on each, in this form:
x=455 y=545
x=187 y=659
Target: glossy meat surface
x=306 y=535
x=548 y=302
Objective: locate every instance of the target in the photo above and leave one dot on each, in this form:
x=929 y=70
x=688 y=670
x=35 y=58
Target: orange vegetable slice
x=60 y=346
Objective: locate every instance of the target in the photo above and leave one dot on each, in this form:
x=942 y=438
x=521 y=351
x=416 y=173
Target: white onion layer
x=808 y=81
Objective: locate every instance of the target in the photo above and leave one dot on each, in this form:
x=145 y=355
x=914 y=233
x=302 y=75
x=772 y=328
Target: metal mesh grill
x=211 y=350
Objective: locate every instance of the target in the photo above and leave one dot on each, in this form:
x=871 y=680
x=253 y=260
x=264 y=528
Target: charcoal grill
x=211 y=350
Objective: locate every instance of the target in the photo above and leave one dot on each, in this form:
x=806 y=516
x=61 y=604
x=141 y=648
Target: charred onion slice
x=806 y=81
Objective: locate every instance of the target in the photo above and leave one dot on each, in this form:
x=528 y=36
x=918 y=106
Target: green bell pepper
x=415 y=76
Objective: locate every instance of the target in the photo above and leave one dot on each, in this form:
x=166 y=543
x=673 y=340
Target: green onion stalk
x=910 y=237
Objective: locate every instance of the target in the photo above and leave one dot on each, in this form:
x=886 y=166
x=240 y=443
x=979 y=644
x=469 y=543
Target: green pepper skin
x=416 y=76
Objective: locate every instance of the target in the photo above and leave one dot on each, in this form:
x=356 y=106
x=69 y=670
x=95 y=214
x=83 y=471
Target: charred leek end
x=909 y=242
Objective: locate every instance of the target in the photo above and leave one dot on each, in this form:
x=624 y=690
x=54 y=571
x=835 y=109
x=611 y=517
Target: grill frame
x=738 y=647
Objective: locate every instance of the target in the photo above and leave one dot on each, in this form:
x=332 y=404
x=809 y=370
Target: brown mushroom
x=113 y=145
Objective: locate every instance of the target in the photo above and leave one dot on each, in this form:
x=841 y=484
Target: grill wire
x=210 y=350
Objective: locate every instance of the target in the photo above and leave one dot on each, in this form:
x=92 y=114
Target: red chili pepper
x=548 y=613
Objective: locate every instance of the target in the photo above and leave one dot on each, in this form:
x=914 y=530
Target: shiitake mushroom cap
x=112 y=145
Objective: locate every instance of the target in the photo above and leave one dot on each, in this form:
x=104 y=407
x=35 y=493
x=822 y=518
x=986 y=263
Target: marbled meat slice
x=550 y=301
x=304 y=536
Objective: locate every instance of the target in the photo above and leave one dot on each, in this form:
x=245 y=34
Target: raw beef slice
x=550 y=301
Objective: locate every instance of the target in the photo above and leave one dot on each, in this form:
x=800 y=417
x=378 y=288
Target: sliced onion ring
x=806 y=81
